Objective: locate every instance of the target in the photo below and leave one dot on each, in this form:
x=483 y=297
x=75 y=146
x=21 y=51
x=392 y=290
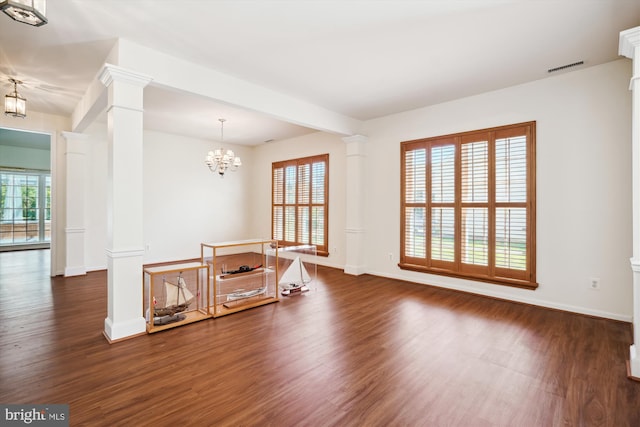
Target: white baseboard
x=75 y=271
x=510 y=297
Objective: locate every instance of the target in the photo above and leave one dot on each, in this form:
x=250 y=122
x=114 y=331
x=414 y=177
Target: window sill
x=523 y=284
x=317 y=252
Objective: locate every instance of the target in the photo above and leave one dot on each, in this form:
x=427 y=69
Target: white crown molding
x=74 y=135
x=111 y=73
x=74 y=230
x=124 y=107
x=629 y=41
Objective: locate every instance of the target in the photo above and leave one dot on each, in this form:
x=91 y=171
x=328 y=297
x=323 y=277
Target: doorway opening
x=25 y=190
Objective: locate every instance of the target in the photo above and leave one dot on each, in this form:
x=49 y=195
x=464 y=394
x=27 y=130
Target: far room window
x=300 y=196
x=468 y=205
x=25 y=207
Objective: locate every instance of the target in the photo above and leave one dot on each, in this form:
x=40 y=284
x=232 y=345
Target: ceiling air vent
x=564 y=67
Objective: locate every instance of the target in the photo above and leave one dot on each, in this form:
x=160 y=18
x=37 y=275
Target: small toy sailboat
x=239 y=294
x=242 y=294
x=178 y=299
x=294 y=279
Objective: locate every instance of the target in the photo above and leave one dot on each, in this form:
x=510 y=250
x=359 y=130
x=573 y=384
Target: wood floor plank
x=354 y=351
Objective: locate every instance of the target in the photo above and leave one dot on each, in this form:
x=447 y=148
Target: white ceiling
x=32 y=140
x=360 y=58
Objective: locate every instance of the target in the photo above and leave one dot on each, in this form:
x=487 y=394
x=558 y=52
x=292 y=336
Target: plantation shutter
x=277 y=215
x=299 y=202
x=414 y=199
x=443 y=184
x=474 y=204
x=468 y=205
x=511 y=229
x=318 y=204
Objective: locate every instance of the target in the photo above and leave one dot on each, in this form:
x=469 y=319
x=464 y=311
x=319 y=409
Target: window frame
x=321 y=249
x=491 y=272
x=36 y=218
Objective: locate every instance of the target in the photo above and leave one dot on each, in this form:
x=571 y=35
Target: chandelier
x=31 y=12
x=221 y=160
x=14 y=104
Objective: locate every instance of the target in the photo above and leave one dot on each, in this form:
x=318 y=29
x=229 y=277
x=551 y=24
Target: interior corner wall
x=96 y=197
x=184 y=203
x=293 y=148
x=583 y=185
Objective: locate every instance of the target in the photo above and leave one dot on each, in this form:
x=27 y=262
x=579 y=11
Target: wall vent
x=564 y=67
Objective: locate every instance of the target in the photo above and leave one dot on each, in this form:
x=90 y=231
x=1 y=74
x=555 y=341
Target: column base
x=118 y=331
x=354 y=264
x=75 y=271
x=354 y=270
x=633 y=364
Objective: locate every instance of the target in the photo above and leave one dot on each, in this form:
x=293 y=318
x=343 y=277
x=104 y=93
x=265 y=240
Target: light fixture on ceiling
x=221 y=160
x=14 y=104
x=31 y=12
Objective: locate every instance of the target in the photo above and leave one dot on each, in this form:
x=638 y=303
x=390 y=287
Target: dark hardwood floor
x=354 y=351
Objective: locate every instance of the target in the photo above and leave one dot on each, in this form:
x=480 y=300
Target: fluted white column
x=125 y=244
x=75 y=155
x=355 y=203
x=630 y=47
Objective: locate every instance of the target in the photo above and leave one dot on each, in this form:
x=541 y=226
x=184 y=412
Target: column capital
x=629 y=42
x=355 y=145
x=355 y=138
x=74 y=135
x=111 y=73
x=76 y=142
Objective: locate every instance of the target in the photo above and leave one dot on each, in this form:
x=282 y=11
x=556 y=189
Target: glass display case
x=297 y=269
x=242 y=274
x=175 y=294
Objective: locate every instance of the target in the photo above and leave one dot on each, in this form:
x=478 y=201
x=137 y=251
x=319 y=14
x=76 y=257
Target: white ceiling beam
x=187 y=76
x=93 y=102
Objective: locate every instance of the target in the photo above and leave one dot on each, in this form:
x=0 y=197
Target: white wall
x=583 y=185
x=28 y=158
x=304 y=146
x=184 y=203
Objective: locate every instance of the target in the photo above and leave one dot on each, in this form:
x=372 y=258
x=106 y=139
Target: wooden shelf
x=193 y=275
x=230 y=256
x=235 y=306
x=190 y=317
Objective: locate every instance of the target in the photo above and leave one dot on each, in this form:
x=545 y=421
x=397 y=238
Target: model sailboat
x=294 y=279
x=178 y=300
x=242 y=294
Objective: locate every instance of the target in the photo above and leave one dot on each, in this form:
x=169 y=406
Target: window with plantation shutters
x=299 y=202
x=468 y=205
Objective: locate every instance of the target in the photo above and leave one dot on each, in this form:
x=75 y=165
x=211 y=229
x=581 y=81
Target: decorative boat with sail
x=178 y=299
x=294 y=279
